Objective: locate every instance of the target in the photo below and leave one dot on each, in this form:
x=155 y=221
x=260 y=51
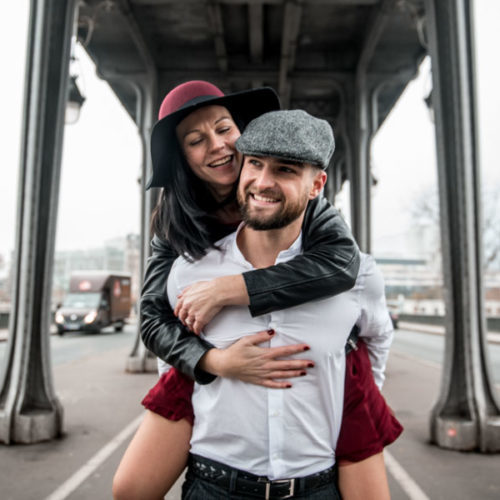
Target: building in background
x=413 y=279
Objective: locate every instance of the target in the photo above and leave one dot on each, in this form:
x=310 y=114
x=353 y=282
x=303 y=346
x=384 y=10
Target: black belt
x=352 y=340
x=236 y=481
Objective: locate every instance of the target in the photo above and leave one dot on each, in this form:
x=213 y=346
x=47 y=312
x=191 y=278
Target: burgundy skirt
x=368 y=424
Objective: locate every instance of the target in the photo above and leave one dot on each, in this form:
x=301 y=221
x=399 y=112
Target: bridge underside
x=347 y=61
x=312 y=52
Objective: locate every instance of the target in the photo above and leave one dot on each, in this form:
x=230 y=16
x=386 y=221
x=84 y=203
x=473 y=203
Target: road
x=430 y=348
x=77 y=345
x=102 y=409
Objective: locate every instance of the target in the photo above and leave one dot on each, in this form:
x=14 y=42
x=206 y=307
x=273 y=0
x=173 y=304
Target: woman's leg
x=364 y=480
x=154 y=459
x=368 y=425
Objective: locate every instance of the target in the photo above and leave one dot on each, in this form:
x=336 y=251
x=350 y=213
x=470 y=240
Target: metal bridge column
x=466 y=415
x=358 y=148
x=140 y=359
x=29 y=409
x=362 y=131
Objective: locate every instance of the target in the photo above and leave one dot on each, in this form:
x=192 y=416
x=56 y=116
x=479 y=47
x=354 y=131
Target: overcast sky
x=99 y=197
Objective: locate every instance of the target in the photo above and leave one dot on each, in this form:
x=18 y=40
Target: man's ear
x=319 y=181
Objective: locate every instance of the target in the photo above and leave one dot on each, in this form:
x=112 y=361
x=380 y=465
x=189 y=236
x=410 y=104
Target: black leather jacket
x=328 y=265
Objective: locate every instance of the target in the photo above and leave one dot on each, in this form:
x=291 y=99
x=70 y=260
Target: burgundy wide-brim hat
x=190 y=96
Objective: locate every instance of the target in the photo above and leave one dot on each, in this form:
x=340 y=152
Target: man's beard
x=287 y=213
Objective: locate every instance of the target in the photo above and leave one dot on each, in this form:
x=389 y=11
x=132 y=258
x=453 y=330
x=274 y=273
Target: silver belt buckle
x=291 y=491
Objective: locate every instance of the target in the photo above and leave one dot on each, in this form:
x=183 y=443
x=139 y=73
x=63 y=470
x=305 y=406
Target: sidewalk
x=411 y=388
x=102 y=408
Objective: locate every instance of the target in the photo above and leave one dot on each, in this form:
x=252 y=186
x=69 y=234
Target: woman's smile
x=207 y=137
x=223 y=162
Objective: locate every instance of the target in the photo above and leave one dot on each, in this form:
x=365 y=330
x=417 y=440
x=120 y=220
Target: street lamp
x=74 y=102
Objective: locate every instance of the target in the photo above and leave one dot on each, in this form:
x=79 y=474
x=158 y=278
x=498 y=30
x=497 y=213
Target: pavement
x=102 y=409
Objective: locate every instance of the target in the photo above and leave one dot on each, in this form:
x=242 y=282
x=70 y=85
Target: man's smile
x=264 y=199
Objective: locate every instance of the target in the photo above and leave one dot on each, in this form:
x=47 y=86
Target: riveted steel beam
x=291 y=27
x=256 y=32
x=253 y=2
x=362 y=129
x=217 y=26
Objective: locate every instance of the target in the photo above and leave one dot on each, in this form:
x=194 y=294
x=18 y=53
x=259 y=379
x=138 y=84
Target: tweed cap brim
x=292 y=135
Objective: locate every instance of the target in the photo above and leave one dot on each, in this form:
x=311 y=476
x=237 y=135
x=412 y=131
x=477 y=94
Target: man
x=249 y=441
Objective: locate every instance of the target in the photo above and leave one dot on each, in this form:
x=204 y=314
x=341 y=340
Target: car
x=96 y=299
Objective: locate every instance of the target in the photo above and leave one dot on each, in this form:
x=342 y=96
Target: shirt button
x=275 y=413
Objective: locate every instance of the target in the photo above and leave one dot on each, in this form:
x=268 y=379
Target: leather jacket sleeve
x=161 y=331
x=328 y=265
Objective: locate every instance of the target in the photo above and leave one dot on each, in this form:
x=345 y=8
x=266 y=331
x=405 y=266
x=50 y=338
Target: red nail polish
x=310 y=365
x=302 y=374
x=288 y=386
x=306 y=348
x=270 y=332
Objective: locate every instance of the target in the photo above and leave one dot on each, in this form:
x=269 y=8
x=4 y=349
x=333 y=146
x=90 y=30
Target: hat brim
x=245 y=105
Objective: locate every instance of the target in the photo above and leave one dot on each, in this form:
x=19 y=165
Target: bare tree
x=424 y=209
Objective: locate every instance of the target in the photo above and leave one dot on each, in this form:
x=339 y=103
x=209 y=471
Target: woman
x=196 y=162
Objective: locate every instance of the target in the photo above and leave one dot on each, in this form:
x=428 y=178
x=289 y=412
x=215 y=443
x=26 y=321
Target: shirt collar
x=294 y=249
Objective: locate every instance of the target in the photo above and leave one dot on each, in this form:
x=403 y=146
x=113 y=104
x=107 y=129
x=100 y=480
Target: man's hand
x=246 y=361
x=199 y=303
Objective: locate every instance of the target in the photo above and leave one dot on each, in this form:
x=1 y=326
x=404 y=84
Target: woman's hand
x=246 y=361
x=199 y=303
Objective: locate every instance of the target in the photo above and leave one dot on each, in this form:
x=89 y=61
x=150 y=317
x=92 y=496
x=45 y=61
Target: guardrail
x=493 y=323
x=4 y=319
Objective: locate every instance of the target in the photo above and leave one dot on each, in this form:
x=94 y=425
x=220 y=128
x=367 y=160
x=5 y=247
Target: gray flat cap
x=291 y=135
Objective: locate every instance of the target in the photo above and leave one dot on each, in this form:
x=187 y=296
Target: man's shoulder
x=366 y=262
x=369 y=280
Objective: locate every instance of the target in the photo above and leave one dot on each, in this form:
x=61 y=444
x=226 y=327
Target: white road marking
x=101 y=456
x=409 y=486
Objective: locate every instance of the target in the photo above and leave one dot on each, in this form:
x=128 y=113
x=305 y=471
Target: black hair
x=184 y=213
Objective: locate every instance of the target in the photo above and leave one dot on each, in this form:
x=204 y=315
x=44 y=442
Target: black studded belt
x=238 y=482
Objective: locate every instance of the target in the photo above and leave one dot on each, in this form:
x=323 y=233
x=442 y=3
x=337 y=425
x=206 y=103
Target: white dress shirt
x=282 y=433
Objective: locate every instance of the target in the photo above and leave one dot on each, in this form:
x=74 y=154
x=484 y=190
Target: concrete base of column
x=142 y=363
x=134 y=364
x=4 y=428
x=462 y=435
x=37 y=426
x=454 y=433
x=150 y=364
x=33 y=426
x=491 y=433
